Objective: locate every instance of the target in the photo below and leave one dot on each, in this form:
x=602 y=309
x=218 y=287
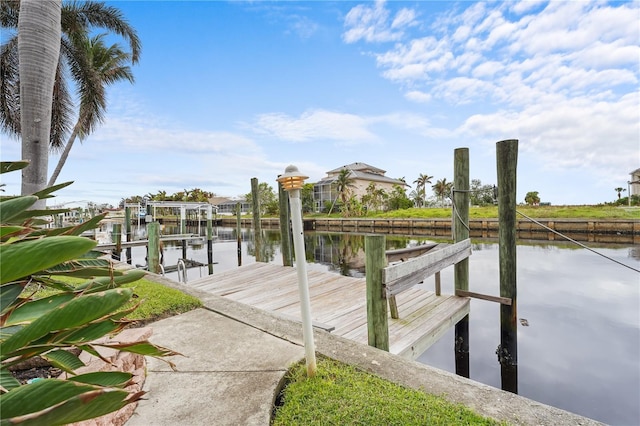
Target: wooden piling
x=183 y=229
x=127 y=227
x=116 y=237
x=210 y=238
x=257 y=227
x=377 y=322
x=507 y=159
x=153 y=249
x=239 y=232
x=461 y=269
x=285 y=228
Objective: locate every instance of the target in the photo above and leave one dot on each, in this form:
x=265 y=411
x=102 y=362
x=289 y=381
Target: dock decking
x=340 y=302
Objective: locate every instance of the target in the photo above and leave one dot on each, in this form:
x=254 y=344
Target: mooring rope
x=455 y=211
x=576 y=242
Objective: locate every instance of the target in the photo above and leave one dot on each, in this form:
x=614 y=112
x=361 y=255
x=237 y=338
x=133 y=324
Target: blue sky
x=228 y=91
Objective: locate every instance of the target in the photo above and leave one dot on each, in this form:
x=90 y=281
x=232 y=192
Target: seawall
x=624 y=231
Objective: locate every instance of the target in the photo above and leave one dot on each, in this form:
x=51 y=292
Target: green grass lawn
x=340 y=394
x=155 y=300
x=550 y=212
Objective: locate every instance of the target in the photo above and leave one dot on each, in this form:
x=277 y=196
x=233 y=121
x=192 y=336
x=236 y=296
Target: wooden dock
x=340 y=302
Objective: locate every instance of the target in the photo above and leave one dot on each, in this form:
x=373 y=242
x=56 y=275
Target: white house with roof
x=361 y=174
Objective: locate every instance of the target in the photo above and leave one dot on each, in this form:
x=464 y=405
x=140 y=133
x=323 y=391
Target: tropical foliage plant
x=398 y=199
x=267 y=198
x=74 y=317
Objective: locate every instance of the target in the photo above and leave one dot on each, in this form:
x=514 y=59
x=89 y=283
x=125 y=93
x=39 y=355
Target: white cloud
x=303 y=26
x=315 y=125
x=341 y=128
x=404 y=18
x=140 y=134
x=487 y=69
x=570 y=48
x=523 y=6
x=418 y=96
x=577 y=133
x=373 y=23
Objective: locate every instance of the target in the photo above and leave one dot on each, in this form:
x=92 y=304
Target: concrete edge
x=481 y=398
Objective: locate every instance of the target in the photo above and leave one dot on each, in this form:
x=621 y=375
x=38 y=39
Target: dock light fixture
x=292 y=178
x=292 y=181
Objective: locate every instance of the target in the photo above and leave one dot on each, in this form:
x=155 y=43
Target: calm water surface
x=581 y=348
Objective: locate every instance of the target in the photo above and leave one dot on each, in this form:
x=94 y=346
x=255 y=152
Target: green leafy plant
x=74 y=317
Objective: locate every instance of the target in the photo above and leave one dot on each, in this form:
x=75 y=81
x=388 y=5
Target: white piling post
x=292 y=181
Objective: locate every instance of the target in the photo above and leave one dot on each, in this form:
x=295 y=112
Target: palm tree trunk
x=39 y=33
x=63 y=157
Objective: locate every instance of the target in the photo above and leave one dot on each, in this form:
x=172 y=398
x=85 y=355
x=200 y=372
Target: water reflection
x=580 y=347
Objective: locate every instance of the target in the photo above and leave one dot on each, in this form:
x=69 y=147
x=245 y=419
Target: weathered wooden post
x=239 y=232
x=461 y=269
x=153 y=248
x=210 y=238
x=507 y=159
x=127 y=227
x=377 y=322
x=148 y=217
x=116 y=237
x=183 y=229
x=257 y=227
x=285 y=229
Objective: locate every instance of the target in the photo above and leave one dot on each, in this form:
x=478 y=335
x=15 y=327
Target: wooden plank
x=403 y=254
x=413 y=346
x=399 y=277
x=498 y=299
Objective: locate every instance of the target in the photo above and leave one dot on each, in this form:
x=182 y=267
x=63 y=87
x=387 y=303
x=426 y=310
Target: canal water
x=579 y=313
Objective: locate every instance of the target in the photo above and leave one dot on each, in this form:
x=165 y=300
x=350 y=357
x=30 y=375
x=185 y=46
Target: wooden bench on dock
x=410 y=328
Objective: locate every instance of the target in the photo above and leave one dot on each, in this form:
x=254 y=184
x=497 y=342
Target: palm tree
x=442 y=188
x=619 y=191
x=104 y=66
x=76 y=19
x=417 y=196
x=343 y=184
x=38 y=49
x=421 y=183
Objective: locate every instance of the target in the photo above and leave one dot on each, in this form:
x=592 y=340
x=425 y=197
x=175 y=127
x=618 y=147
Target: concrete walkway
x=236 y=356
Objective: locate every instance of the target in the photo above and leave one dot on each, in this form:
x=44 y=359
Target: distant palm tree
x=619 y=191
x=418 y=197
x=421 y=183
x=104 y=65
x=342 y=184
x=442 y=188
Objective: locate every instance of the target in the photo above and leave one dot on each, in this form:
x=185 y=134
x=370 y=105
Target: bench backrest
x=399 y=277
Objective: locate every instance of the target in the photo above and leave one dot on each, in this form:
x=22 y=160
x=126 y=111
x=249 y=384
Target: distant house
x=362 y=174
x=227 y=206
x=634 y=183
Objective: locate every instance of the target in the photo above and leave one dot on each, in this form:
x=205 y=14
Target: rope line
x=577 y=242
x=455 y=210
